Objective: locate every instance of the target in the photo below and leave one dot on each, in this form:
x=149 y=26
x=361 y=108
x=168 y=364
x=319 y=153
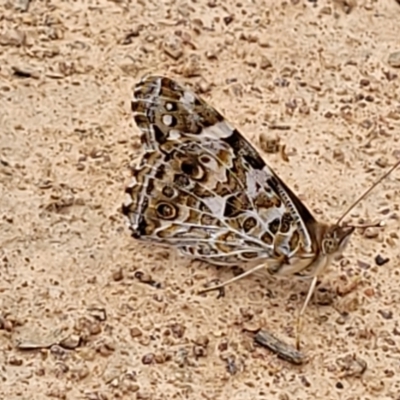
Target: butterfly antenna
x=367 y=192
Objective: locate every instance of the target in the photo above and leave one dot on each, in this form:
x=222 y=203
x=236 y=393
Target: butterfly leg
x=303 y=309
x=234 y=279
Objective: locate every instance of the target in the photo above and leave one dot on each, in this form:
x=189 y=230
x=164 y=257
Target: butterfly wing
x=202 y=187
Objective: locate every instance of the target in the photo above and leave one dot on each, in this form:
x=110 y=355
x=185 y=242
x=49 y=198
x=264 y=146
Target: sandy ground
x=86 y=312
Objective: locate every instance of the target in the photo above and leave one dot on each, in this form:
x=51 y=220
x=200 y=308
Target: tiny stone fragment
x=202 y=341
x=265 y=63
x=231 y=366
x=369 y=292
x=178 y=330
x=172 y=46
x=181 y=357
x=204 y=86
x=160 y=358
x=390 y=76
x=132 y=34
x=305 y=381
x=22 y=5
x=135 y=332
x=16 y=362
x=105 y=347
x=148 y=358
x=228 y=19
x=363 y=265
x=386 y=314
x=12 y=38
x=382 y=162
x=199 y=351
x=351 y=366
x=25 y=72
x=347 y=5
x=394 y=59
x=118 y=275
x=379 y=260
x=192 y=66
x=223 y=346
x=146 y=278
x=371 y=233
x=269 y=145
x=6 y=324
x=211 y=55
x=98 y=313
x=272 y=145
x=71 y=342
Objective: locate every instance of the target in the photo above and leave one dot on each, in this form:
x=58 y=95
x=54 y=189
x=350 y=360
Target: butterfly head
x=335 y=239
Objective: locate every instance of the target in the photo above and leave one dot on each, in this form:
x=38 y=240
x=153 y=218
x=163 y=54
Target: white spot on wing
x=187 y=99
x=219 y=130
x=215 y=204
x=167 y=119
x=174 y=134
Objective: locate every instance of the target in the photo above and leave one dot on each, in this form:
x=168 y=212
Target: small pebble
x=305 y=381
x=178 y=330
x=363 y=265
x=202 y=341
x=339 y=385
x=16 y=362
x=71 y=342
x=133 y=33
x=386 y=314
x=228 y=19
x=25 y=72
x=394 y=59
x=98 y=313
x=173 y=47
x=382 y=162
x=146 y=278
x=265 y=63
x=135 y=332
x=369 y=292
x=223 y=346
x=211 y=55
x=231 y=366
x=379 y=260
x=95 y=328
x=199 y=351
x=159 y=358
x=12 y=38
x=351 y=366
x=148 y=358
x=269 y=144
x=117 y=275
x=22 y=5
x=106 y=348
x=390 y=76
x=371 y=233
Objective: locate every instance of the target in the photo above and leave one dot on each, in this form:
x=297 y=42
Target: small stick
x=282 y=349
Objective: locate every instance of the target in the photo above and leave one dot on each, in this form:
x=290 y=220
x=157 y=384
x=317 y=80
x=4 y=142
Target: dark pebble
x=148 y=358
x=379 y=260
x=386 y=314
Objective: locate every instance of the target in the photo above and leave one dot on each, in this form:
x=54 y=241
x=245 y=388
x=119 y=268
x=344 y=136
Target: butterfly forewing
x=202 y=187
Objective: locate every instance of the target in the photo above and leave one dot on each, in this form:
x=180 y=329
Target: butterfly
x=202 y=188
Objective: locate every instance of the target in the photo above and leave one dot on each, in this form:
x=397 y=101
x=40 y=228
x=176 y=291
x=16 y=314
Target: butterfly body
x=202 y=188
